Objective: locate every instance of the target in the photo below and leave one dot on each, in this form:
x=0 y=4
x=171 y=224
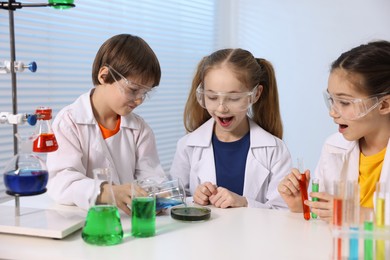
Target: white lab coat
x=268 y=161
x=130 y=154
x=337 y=153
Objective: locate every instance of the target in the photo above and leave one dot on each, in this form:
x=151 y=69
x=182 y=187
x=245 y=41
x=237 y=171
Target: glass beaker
x=45 y=141
x=26 y=173
x=169 y=193
x=143 y=208
x=103 y=225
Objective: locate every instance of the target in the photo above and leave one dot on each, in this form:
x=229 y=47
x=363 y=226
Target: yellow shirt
x=370 y=168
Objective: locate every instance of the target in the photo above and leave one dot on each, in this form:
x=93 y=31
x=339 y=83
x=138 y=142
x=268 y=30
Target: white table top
x=234 y=233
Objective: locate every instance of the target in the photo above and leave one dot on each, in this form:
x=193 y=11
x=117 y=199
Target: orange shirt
x=107 y=132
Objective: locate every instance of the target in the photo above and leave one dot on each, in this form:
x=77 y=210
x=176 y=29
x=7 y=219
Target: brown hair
x=251 y=72
x=372 y=62
x=131 y=56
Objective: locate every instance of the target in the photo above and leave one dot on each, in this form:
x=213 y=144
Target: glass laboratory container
x=45 y=141
x=26 y=173
x=103 y=225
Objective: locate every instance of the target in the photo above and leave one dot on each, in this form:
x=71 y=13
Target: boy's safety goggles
x=130 y=89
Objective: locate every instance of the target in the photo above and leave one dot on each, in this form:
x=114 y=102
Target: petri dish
x=190 y=213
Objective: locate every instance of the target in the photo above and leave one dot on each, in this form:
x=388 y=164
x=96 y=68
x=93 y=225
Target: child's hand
x=290 y=192
x=203 y=192
x=324 y=207
x=122 y=194
x=225 y=198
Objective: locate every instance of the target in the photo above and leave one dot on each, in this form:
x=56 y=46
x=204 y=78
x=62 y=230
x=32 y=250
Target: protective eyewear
x=352 y=109
x=231 y=101
x=130 y=89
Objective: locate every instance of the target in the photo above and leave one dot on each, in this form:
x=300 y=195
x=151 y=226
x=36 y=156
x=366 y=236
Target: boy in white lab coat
x=233 y=155
x=358 y=97
x=99 y=129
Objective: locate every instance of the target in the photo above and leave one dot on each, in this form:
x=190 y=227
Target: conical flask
x=61 y=4
x=103 y=225
x=25 y=173
x=45 y=141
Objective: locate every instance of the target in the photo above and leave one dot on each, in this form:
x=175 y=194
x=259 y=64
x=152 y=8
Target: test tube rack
x=366 y=238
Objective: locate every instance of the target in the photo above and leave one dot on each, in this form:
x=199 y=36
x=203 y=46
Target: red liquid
x=45 y=143
x=303 y=188
x=337 y=212
x=338 y=221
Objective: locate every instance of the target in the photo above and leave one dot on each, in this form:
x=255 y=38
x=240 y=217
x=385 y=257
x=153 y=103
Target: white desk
x=241 y=233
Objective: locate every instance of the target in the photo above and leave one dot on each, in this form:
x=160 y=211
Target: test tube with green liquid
x=314 y=188
x=368 y=242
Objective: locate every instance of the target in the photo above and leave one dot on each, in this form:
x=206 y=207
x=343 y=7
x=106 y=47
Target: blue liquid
x=163 y=203
x=26 y=182
x=354 y=246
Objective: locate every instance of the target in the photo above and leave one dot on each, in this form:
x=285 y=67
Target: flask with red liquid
x=45 y=141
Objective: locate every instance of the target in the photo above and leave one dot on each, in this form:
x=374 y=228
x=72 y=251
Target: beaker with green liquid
x=143 y=208
x=103 y=225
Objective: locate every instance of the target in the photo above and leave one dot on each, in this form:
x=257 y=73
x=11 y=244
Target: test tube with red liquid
x=339 y=193
x=303 y=189
x=45 y=141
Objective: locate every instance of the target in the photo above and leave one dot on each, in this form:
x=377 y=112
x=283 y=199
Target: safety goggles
x=352 y=109
x=234 y=102
x=128 y=88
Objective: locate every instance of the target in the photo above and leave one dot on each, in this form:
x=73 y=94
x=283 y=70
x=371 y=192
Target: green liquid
x=143 y=217
x=103 y=226
x=368 y=243
x=314 y=188
x=61 y=2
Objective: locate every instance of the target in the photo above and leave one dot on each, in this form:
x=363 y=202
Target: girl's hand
x=324 y=207
x=225 y=198
x=203 y=192
x=290 y=191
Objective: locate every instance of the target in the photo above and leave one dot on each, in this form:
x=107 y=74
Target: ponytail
x=194 y=115
x=266 y=112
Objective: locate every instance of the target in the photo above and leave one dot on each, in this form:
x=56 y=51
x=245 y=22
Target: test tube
x=380 y=219
x=368 y=228
x=338 y=217
x=303 y=189
x=352 y=212
x=314 y=188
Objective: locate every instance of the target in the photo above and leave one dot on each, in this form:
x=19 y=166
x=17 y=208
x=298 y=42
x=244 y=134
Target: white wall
x=301 y=38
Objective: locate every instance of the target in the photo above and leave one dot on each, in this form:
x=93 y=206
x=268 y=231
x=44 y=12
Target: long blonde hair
x=251 y=72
